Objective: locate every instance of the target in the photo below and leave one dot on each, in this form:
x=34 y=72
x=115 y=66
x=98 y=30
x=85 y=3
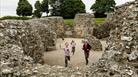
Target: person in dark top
x=86 y=48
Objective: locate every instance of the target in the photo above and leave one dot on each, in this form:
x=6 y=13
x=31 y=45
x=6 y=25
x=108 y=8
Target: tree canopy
x=24 y=8
x=69 y=8
x=100 y=7
x=38 y=7
x=55 y=4
x=45 y=6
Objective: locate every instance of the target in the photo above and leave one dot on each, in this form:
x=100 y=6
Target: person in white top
x=73 y=45
x=67 y=53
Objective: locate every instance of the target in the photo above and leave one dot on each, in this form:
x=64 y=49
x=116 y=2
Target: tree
x=55 y=4
x=69 y=8
x=103 y=6
x=45 y=7
x=38 y=5
x=24 y=8
x=37 y=12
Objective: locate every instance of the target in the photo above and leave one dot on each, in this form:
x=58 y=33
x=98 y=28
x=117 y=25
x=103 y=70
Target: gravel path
x=56 y=57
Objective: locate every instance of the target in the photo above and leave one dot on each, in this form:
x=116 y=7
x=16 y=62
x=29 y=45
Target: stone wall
x=56 y=24
x=120 y=58
x=95 y=43
x=82 y=23
x=31 y=35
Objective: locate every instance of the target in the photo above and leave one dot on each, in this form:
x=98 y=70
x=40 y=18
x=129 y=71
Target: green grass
x=15 y=18
x=68 y=21
x=100 y=20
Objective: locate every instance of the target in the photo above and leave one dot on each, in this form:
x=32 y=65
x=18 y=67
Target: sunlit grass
x=100 y=20
x=68 y=21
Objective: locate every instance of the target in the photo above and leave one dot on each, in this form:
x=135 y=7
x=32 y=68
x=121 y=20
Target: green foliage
x=100 y=20
x=15 y=18
x=37 y=12
x=24 y=8
x=56 y=7
x=38 y=6
x=45 y=6
x=69 y=8
x=103 y=6
x=68 y=21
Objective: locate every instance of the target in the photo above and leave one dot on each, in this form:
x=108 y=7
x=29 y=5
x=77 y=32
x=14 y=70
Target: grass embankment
x=98 y=21
x=15 y=18
x=68 y=21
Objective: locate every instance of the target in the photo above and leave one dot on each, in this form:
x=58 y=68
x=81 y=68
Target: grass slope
x=98 y=21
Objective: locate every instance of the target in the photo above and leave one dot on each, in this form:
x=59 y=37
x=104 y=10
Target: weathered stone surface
x=95 y=43
x=14 y=63
x=120 y=58
x=101 y=31
x=32 y=36
x=83 y=24
x=21 y=49
x=56 y=24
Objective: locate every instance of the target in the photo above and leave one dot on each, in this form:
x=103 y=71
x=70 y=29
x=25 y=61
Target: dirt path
x=57 y=57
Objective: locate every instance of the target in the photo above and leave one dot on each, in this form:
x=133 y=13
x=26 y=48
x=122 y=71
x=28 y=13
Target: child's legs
x=66 y=61
x=67 y=58
x=73 y=50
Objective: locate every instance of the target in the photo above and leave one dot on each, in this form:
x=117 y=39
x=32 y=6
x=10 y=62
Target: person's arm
x=90 y=47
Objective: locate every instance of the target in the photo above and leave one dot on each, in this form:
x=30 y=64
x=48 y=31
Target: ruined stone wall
x=31 y=35
x=83 y=23
x=95 y=43
x=55 y=23
x=120 y=58
x=21 y=49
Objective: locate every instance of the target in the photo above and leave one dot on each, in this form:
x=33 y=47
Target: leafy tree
x=45 y=7
x=69 y=8
x=37 y=12
x=55 y=4
x=24 y=8
x=55 y=11
x=103 y=6
x=38 y=5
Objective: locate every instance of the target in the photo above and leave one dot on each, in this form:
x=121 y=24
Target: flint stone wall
x=32 y=36
x=83 y=24
x=14 y=63
x=95 y=43
x=120 y=58
x=56 y=24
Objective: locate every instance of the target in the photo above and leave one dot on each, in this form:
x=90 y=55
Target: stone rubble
x=95 y=43
x=14 y=63
x=27 y=35
x=21 y=42
x=120 y=58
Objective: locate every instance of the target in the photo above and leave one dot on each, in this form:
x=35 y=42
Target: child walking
x=67 y=53
x=73 y=45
